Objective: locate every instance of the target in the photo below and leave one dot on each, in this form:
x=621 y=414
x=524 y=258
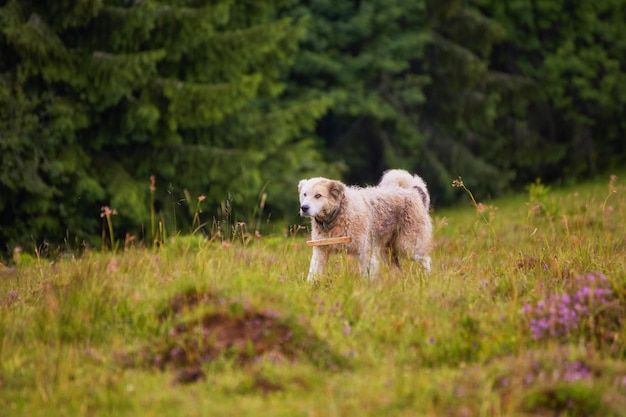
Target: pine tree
x=471 y=109
x=574 y=52
x=411 y=88
x=97 y=96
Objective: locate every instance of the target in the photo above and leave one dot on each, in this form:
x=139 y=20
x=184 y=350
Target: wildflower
x=458 y=182
x=576 y=371
x=443 y=222
x=17 y=251
x=12 y=297
x=271 y=313
x=560 y=314
x=107 y=212
x=565 y=223
x=612 y=188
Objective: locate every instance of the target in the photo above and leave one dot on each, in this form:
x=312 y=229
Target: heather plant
x=587 y=301
x=561 y=381
x=10 y=298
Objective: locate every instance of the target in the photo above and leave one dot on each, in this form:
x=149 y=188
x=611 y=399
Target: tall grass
x=199 y=327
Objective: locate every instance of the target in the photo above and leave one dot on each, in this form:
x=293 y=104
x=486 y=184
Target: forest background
x=184 y=114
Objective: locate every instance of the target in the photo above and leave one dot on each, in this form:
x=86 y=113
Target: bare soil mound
x=203 y=326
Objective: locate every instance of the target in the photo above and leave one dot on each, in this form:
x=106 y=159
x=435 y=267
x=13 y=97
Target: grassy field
x=523 y=314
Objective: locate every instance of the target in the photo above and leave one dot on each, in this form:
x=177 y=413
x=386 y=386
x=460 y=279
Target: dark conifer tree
x=97 y=96
x=574 y=53
x=411 y=87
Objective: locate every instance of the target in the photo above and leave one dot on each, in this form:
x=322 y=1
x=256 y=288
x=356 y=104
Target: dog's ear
x=336 y=188
x=300 y=184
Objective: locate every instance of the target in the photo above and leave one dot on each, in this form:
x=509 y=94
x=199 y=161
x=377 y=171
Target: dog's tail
x=403 y=179
x=420 y=185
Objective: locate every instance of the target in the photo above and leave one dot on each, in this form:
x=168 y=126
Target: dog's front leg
x=368 y=264
x=319 y=259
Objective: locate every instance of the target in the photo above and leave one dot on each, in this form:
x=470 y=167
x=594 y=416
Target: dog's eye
x=318 y=195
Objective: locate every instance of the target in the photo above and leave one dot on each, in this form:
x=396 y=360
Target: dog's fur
x=385 y=222
x=403 y=179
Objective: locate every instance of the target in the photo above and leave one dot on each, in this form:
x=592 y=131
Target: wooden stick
x=329 y=241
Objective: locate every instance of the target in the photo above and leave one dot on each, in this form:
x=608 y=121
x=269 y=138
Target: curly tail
x=403 y=179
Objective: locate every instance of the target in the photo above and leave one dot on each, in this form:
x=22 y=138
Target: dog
x=403 y=179
x=385 y=222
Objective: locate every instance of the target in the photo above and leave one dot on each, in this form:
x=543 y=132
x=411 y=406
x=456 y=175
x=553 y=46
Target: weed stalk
x=479 y=207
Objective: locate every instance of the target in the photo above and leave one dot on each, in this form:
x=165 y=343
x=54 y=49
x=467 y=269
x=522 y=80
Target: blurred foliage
x=412 y=88
x=98 y=96
x=498 y=92
x=574 y=51
x=236 y=100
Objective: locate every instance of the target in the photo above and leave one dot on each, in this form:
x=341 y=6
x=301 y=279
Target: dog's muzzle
x=304 y=210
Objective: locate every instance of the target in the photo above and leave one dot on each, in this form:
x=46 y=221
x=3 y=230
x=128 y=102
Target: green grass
x=119 y=334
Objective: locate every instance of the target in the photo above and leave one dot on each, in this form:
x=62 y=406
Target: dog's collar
x=329 y=223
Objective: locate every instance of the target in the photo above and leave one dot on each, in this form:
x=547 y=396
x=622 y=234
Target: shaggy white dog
x=385 y=222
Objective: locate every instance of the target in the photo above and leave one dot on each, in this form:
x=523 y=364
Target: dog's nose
x=304 y=208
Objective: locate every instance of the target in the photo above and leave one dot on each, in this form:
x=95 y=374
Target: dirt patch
x=246 y=337
x=226 y=328
x=188 y=300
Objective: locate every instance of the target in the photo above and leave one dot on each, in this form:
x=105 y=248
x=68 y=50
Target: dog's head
x=319 y=197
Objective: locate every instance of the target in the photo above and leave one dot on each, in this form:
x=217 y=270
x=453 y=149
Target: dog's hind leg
x=417 y=253
x=425 y=262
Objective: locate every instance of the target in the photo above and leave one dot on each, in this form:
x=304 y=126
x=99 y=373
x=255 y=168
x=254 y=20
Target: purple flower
x=271 y=313
x=559 y=314
x=576 y=371
x=176 y=352
x=12 y=297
